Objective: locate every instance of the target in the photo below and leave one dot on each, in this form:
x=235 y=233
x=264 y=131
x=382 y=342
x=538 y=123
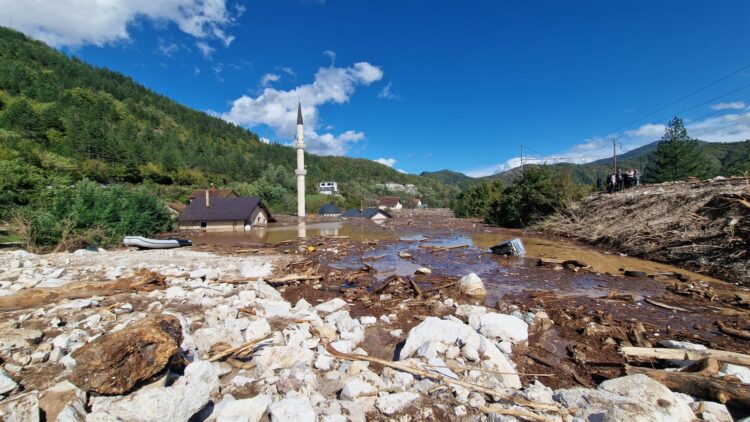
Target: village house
x=390 y=202
x=329 y=210
x=417 y=203
x=224 y=214
x=214 y=193
x=375 y=214
x=328 y=188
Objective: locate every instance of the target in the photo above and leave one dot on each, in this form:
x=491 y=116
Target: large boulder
x=472 y=285
x=499 y=326
x=453 y=332
x=180 y=402
x=647 y=390
x=115 y=362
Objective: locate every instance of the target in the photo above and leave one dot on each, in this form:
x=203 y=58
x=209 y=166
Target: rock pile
x=212 y=350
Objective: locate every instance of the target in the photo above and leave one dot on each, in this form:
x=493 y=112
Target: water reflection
x=359 y=231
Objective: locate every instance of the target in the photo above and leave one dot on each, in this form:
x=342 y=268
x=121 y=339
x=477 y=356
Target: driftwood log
x=682 y=354
x=700 y=380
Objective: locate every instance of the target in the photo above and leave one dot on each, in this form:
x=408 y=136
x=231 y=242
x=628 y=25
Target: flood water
x=359 y=232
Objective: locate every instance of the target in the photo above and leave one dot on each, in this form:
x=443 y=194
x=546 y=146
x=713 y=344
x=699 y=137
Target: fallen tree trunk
x=683 y=354
x=703 y=383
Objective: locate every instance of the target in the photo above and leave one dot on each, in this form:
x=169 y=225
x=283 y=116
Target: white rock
x=674 y=344
x=257 y=329
x=741 y=372
x=470 y=353
x=265 y=291
x=396 y=333
x=331 y=306
x=279 y=357
x=466 y=310
x=293 y=409
x=179 y=402
x=423 y=270
x=255 y=269
x=472 y=285
x=206 y=273
x=354 y=387
x=393 y=403
x=343 y=346
x=245 y=410
x=206 y=337
x=499 y=326
x=6 y=383
x=454 y=332
x=460 y=411
x=368 y=320
x=646 y=390
x=21 y=408
x=452 y=352
x=714 y=412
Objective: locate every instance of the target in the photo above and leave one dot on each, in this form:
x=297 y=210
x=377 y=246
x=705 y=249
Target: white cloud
x=648 y=130
x=288 y=70
x=264 y=140
x=386 y=161
x=278 y=108
x=205 y=49
x=735 y=105
x=167 y=49
x=401 y=171
x=79 y=22
x=387 y=93
x=725 y=128
x=268 y=78
x=331 y=55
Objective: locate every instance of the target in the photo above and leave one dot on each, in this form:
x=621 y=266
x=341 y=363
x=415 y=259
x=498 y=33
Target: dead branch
x=664 y=305
x=734 y=332
x=442 y=378
x=415 y=287
x=514 y=412
x=683 y=354
x=237 y=350
x=433 y=248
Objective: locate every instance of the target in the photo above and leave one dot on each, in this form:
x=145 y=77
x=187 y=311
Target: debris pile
x=213 y=341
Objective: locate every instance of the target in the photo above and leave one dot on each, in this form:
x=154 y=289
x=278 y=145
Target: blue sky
x=427 y=85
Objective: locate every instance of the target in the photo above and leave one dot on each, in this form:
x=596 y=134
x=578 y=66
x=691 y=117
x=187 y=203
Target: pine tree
x=677 y=156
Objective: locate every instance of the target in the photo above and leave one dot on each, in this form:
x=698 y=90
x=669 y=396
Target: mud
x=595 y=310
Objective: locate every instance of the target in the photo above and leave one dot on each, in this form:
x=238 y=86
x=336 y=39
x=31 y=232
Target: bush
x=476 y=201
x=93 y=214
x=537 y=193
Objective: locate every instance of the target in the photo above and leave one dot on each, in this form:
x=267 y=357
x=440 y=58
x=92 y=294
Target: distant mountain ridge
x=730 y=158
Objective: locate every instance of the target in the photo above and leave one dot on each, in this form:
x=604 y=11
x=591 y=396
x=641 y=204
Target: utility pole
x=614 y=155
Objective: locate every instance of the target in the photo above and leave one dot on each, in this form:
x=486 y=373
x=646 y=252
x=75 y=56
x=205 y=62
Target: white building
x=328 y=188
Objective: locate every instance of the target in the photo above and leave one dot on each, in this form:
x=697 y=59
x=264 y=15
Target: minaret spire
x=300 y=146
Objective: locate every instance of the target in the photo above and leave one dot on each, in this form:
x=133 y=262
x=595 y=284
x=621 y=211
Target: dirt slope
x=701 y=226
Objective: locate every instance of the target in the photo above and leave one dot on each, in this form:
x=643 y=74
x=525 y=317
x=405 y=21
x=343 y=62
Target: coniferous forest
x=63 y=121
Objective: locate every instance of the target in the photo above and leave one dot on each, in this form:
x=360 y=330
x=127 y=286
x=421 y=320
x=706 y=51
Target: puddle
x=358 y=232
x=537 y=247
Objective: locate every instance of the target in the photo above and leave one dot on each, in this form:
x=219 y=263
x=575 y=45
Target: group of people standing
x=620 y=180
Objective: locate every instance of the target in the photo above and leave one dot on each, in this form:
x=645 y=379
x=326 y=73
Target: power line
x=651 y=113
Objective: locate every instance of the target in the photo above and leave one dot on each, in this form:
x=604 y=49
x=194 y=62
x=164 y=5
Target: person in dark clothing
x=610 y=182
x=618 y=180
x=598 y=183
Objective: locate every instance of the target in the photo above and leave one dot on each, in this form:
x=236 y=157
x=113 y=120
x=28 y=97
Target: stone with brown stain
x=115 y=362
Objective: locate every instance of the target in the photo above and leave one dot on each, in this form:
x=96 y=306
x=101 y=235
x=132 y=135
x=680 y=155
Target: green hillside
x=450 y=177
x=62 y=120
x=725 y=159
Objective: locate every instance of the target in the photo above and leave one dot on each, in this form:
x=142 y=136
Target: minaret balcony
x=299 y=145
x=299 y=172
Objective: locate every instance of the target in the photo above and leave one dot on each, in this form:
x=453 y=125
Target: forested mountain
x=726 y=159
x=450 y=177
x=62 y=120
